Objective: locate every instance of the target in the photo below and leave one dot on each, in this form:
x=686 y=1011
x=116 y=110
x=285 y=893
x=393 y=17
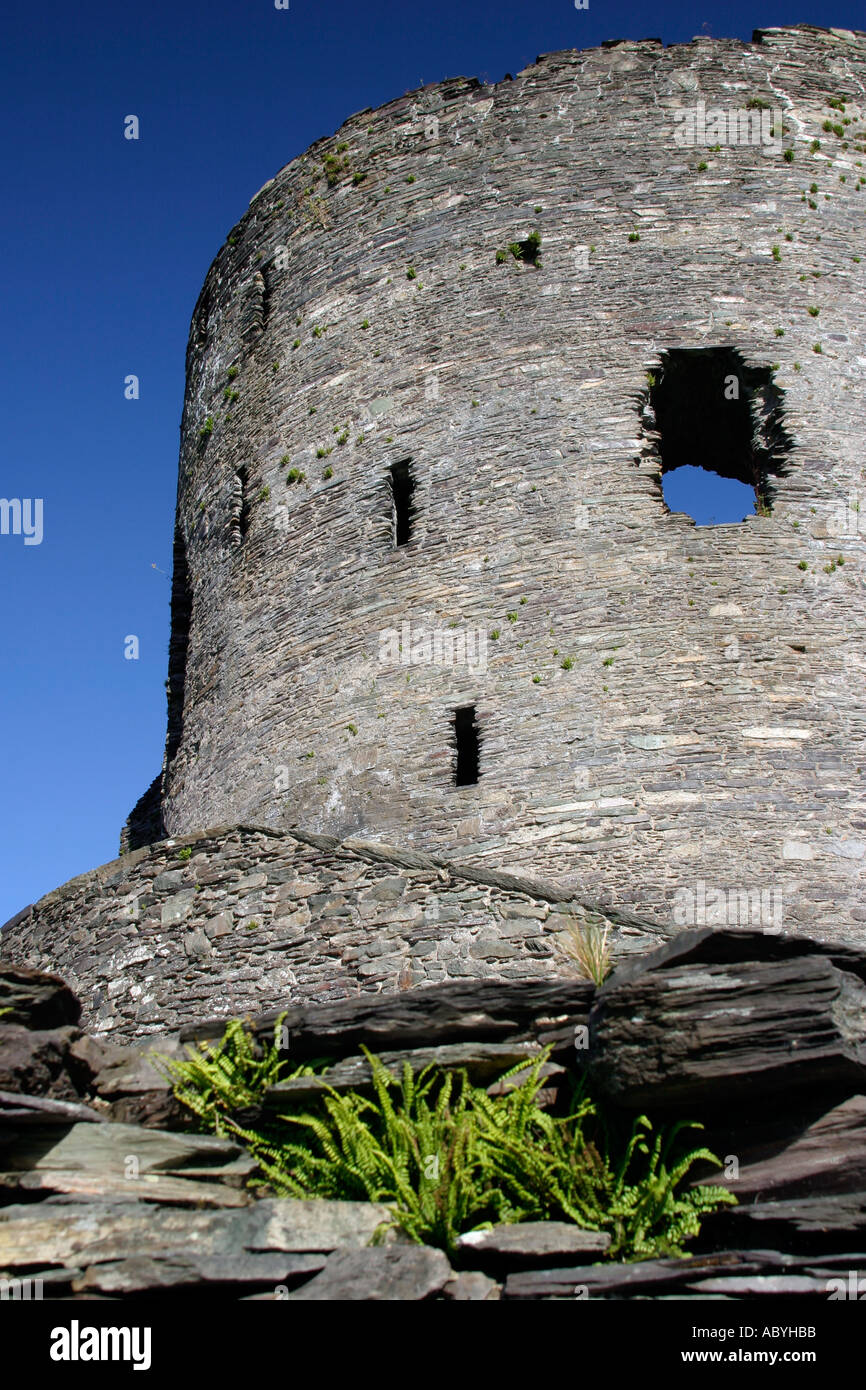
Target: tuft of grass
x=587 y=945
x=524 y=251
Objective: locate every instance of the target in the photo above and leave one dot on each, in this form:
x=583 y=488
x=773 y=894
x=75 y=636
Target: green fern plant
x=414 y=1145
x=215 y=1080
x=445 y=1156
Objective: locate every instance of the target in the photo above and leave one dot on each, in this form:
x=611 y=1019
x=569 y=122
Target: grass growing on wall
x=446 y=1157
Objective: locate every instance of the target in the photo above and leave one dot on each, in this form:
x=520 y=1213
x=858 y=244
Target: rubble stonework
x=232 y=920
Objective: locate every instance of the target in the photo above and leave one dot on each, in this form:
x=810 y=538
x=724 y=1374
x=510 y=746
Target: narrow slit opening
x=240 y=507
x=402 y=503
x=467 y=740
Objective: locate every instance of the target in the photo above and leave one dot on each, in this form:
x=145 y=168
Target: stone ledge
x=373 y=851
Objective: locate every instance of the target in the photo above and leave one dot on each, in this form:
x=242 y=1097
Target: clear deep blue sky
x=106 y=243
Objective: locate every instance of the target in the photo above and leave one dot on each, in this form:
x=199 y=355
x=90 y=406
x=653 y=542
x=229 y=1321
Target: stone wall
x=709 y=723
x=241 y=919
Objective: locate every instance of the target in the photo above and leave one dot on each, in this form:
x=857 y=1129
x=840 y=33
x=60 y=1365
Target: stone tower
x=427 y=591
x=653 y=703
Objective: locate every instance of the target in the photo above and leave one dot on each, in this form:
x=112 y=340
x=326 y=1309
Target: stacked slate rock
x=106 y=1191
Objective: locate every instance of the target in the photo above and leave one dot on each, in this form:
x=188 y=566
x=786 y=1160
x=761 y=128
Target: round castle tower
x=433 y=379
x=427 y=591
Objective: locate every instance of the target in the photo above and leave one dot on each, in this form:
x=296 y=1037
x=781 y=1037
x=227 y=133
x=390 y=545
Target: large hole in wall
x=402 y=482
x=181 y=617
x=468 y=746
x=716 y=426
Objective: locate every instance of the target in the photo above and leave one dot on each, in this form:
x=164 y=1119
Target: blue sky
x=106 y=243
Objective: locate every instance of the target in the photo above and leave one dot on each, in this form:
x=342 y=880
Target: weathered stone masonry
x=230 y=921
x=711 y=726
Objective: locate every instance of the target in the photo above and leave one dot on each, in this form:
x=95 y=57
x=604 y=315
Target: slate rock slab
x=472 y=1011
x=17 y=1109
x=80 y=1234
x=36 y=999
x=148 y=1187
x=151 y=1110
x=108 y=1149
x=645 y=1277
x=92 y=1055
x=301 y=1225
x=390 y=1274
x=826 y=1155
x=692 y=1034
x=35 y=1062
x=728 y=945
x=141 y=1274
x=482 y=1062
x=138 y=1071
x=531 y=1242
x=471 y=1286
x=758 y=1285
x=805 y=1225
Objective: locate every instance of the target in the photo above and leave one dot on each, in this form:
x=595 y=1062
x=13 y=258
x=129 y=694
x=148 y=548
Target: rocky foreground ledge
x=106 y=1191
